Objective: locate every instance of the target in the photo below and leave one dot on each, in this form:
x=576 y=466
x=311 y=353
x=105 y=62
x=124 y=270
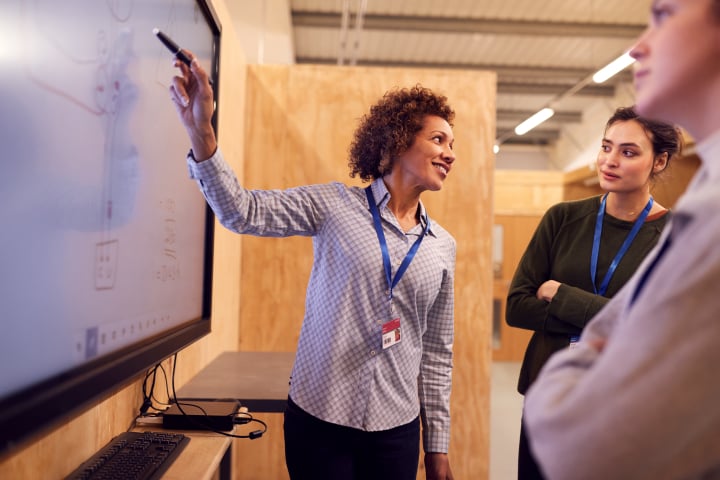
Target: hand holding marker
x=172 y=46
x=204 y=108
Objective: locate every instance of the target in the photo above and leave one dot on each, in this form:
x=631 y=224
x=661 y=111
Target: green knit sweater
x=560 y=249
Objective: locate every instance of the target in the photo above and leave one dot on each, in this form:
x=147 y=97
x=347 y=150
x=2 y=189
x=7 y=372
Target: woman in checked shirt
x=374 y=357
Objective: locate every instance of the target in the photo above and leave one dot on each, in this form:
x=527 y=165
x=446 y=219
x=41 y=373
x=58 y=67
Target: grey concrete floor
x=505 y=413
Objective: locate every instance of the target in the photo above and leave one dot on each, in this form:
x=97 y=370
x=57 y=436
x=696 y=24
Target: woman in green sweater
x=584 y=251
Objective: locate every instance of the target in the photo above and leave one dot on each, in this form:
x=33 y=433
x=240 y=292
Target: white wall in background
x=264 y=29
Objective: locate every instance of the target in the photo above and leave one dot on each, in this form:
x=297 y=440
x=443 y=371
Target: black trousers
x=528 y=468
x=319 y=450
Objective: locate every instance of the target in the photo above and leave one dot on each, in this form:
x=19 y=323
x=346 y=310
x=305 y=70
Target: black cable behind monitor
x=225 y=413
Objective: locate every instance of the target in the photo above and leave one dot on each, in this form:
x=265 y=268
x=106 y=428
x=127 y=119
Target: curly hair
x=665 y=138
x=390 y=127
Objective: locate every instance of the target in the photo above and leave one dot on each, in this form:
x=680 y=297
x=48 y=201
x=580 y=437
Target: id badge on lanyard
x=391 y=328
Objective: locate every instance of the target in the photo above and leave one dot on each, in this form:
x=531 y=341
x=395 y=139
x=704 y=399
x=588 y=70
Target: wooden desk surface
x=201 y=458
x=259 y=380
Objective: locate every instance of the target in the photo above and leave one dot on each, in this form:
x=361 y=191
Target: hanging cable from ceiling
x=361 y=10
x=344 y=22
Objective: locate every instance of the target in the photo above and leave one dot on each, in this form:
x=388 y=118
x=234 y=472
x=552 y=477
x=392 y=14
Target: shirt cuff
x=206 y=168
x=436 y=441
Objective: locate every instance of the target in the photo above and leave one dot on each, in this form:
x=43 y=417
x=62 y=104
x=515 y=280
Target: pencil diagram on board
x=106 y=93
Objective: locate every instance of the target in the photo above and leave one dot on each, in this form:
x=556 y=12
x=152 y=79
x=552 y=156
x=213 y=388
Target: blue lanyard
x=384 y=248
x=623 y=249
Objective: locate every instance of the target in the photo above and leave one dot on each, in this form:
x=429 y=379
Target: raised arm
x=193 y=98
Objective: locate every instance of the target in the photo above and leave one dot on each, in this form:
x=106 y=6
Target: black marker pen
x=172 y=46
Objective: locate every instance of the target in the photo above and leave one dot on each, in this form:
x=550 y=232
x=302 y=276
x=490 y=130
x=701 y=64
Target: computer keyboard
x=132 y=456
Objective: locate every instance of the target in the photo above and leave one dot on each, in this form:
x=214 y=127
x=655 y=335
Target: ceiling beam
x=518 y=116
x=591 y=90
x=508 y=70
x=536 y=136
x=431 y=24
x=535 y=73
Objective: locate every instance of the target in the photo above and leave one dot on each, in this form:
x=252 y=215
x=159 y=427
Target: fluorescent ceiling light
x=534 y=121
x=616 y=66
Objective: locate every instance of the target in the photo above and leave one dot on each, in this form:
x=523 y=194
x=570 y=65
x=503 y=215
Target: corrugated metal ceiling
x=540 y=50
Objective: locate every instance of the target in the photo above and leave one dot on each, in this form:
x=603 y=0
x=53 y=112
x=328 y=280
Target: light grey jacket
x=647 y=405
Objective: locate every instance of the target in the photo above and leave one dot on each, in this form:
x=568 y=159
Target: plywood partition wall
x=299 y=124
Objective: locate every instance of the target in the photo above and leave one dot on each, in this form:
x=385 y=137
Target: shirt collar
x=380 y=192
x=709 y=153
x=382 y=197
x=701 y=191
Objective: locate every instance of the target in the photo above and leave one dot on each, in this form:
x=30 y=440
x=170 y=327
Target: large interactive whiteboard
x=102 y=235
